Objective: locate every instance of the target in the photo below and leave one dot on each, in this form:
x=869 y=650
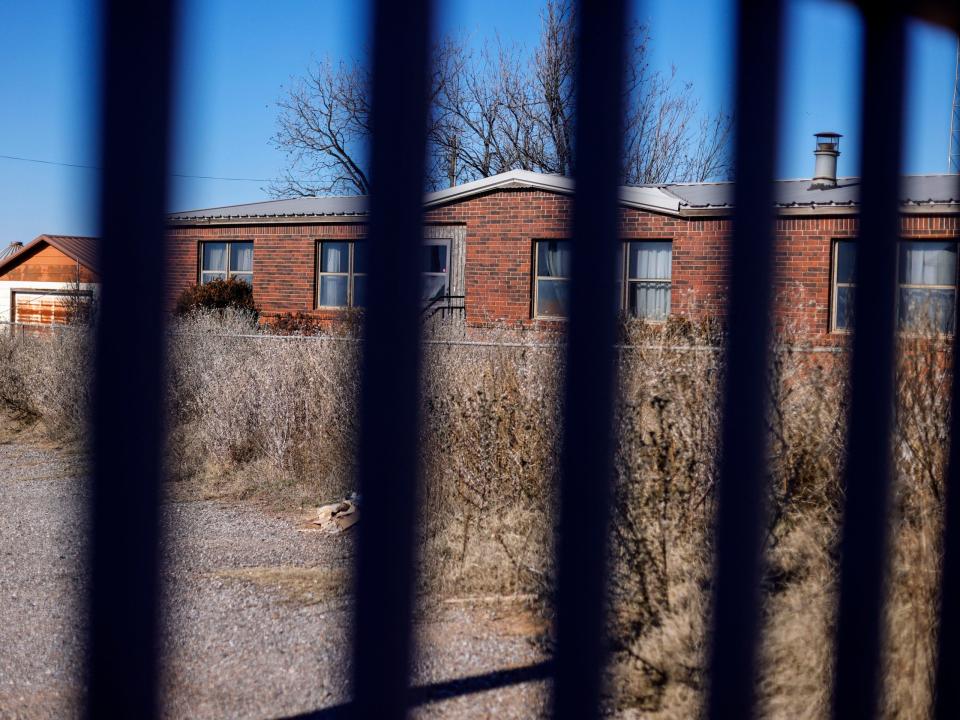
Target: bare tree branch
x=497 y=109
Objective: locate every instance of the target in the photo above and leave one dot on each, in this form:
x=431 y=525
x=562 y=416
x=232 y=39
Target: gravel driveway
x=257 y=621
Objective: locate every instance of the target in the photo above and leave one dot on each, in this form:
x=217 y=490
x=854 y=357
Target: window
x=649 y=266
x=551 y=278
x=435 y=266
x=222 y=260
x=926 y=285
x=342 y=274
x=841 y=302
x=645 y=274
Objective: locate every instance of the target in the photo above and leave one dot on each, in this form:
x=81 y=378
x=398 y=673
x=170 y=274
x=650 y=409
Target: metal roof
x=914 y=190
x=293 y=207
x=649 y=198
x=11 y=250
x=76 y=247
x=669 y=198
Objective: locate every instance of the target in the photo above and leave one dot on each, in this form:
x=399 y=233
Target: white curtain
x=928 y=263
x=334 y=257
x=241 y=260
x=214 y=257
x=650 y=300
x=650 y=260
x=554 y=259
x=650 y=269
x=333 y=291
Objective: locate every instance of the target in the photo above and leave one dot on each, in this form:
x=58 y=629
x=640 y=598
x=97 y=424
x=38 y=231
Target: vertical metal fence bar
x=586 y=467
x=867 y=477
x=128 y=400
x=389 y=405
x=743 y=438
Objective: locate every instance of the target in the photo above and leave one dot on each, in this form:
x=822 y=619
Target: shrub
x=45 y=375
x=217 y=295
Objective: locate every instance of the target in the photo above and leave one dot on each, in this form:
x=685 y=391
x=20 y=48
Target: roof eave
x=815 y=210
x=268 y=220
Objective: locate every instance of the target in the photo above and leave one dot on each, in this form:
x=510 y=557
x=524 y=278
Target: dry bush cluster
x=258 y=416
x=491 y=421
x=275 y=419
x=45 y=376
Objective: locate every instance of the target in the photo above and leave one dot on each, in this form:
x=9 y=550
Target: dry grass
x=275 y=421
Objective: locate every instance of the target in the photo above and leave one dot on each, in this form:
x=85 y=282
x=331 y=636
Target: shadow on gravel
x=425 y=694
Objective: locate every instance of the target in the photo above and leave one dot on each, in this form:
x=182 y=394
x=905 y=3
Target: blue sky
x=238 y=55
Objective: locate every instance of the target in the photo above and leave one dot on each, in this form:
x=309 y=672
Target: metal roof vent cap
x=826 y=153
x=12 y=249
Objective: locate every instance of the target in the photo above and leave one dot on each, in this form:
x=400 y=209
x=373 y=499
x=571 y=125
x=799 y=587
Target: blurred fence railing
x=138 y=54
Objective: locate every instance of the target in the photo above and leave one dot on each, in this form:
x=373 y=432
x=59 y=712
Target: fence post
x=743 y=433
x=128 y=391
x=586 y=461
x=863 y=550
x=389 y=430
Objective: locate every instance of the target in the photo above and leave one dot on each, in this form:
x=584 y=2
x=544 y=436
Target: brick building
x=499 y=246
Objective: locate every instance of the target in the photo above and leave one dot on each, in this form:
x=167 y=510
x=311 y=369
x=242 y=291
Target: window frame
x=445 y=243
x=626 y=280
x=955 y=288
x=537 y=278
x=229 y=272
x=623 y=279
x=350 y=274
x=834 y=285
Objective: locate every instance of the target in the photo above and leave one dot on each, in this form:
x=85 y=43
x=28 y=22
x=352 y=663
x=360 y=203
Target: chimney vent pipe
x=826 y=152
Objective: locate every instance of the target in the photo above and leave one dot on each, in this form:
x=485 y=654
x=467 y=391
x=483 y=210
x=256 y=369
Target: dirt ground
x=257 y=621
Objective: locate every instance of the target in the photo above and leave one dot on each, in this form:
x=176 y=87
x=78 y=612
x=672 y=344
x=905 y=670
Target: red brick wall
x=501 y=228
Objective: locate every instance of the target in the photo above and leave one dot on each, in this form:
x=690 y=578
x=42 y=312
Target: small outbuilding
x=45 y=281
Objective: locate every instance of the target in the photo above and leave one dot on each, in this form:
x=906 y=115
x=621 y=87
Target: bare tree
x=553 y=106
x=324 y=125
x=498 y=109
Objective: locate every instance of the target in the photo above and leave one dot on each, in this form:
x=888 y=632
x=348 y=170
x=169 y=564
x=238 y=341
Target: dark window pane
x=434 y=286
x=846 y=260
x=334 y=257
x=359 y=290
x=333 y=291
x=927 y=310
x=844 y=316
x=552 y=298
x=553 y=258
x=241 y=257
x=360 y=257
x=928 y=263
x=214 y=257
x=650 y=260
x=434 y=259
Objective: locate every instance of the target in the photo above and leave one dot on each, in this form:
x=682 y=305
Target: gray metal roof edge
x=665 y=198
x=268 y=220
x=822 y=210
